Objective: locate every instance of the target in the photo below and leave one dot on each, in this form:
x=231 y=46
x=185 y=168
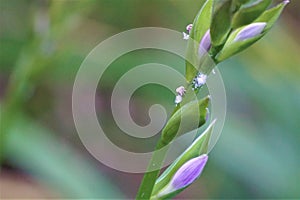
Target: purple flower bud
x=250 y=31
x=185 y=175
x=189 y=172
x=205 y=44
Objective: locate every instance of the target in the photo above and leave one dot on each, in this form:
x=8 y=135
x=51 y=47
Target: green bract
x=270 y=16
x=221 y=23
x=189 y=117
x=201 y=25
x=249 y=12
x=202 y=21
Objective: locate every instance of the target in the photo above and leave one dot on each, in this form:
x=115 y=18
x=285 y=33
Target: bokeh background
x=43 y=43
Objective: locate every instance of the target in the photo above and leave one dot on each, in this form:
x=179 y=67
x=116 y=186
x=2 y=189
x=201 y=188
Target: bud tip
x=185 y=175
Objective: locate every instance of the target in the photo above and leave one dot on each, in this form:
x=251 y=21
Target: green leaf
x=189 y=117
x=221 y=23
x=231 y=47
x=249 y=12
x=201 y=25
x=197 y=148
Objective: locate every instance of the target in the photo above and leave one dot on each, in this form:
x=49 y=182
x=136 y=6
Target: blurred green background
x=43 y=43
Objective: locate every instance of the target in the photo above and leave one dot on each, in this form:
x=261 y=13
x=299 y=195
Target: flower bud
x=250 y=31
x=197 y=148
x=189 y=172
x=185 y=175
x=205 y=44
x=245 y=36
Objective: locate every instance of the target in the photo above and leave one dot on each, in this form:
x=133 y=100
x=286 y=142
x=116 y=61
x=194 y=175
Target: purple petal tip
x=205 y=44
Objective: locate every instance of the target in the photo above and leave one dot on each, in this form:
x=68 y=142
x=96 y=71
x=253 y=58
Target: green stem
x=159 y=155
x=151 y=175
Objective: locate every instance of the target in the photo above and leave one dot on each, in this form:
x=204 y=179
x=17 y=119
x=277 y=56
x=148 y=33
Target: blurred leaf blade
x=34 y=149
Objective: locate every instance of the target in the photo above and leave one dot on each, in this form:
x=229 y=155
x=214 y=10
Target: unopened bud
x=205 y=44
x=185 y=175
x=250 y=31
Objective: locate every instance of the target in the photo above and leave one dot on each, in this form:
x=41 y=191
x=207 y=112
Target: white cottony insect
x=199 y=80
x=185 y=36
x=189 y=28
x=180 y=93
x=181 y=90
x=178 y=99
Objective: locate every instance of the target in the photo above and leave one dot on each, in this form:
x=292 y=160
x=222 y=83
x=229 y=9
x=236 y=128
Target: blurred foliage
x=42 y=44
